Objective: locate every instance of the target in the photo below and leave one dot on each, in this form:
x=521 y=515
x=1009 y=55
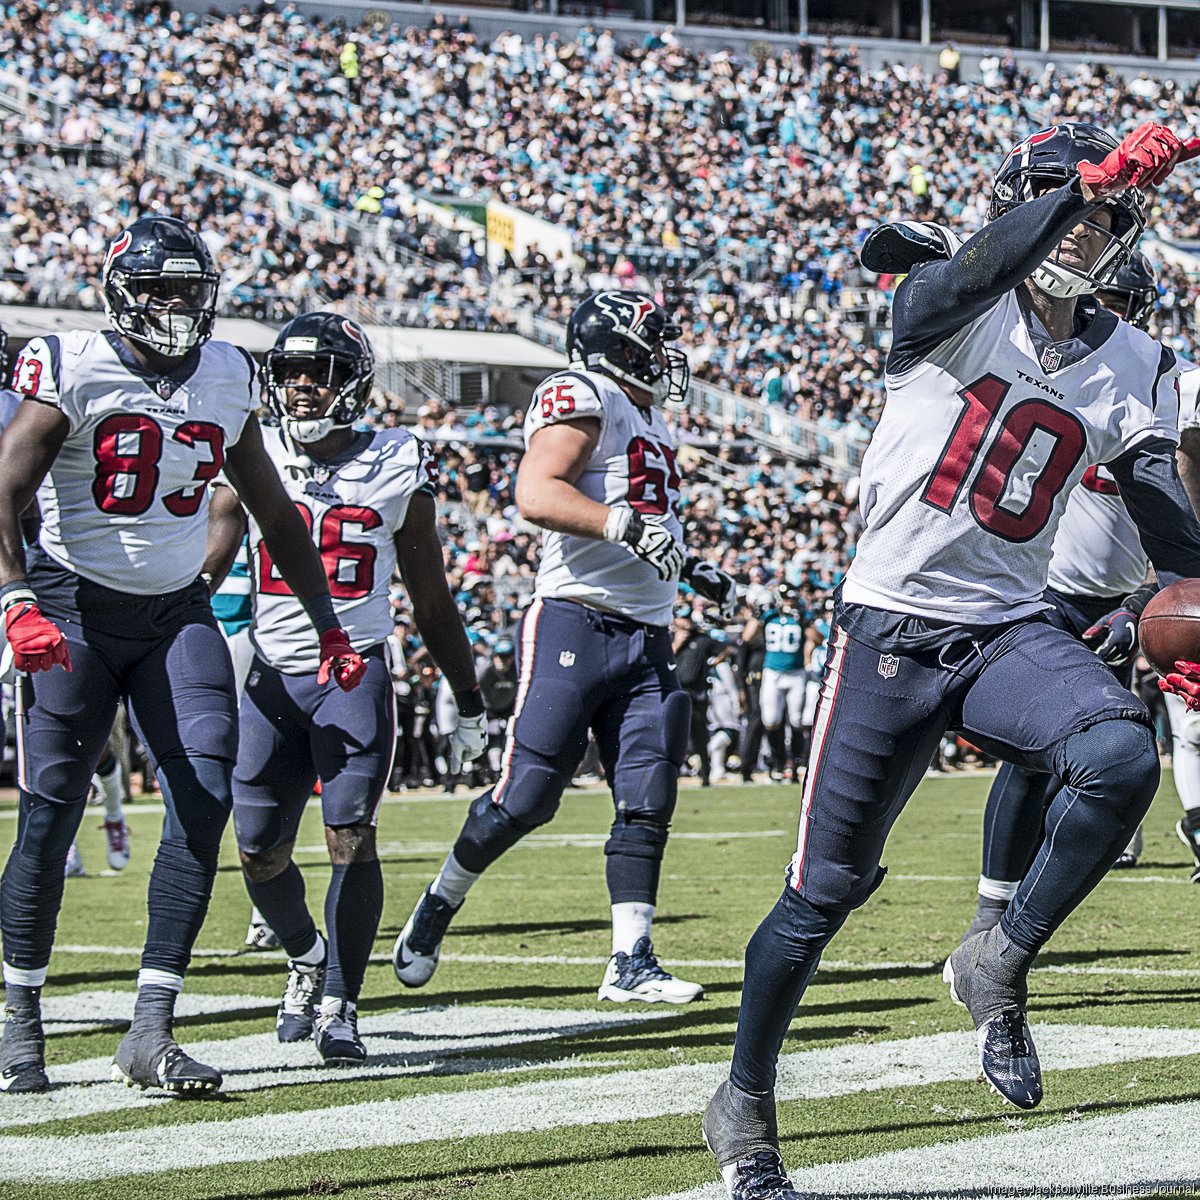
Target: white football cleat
x=74 y=868
x=638 y=976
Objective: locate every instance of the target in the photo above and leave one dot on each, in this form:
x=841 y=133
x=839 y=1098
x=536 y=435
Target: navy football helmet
x=1135 y=291
x=624 y=335
x=1050 y=159
x=332 y=352
x=160 y=286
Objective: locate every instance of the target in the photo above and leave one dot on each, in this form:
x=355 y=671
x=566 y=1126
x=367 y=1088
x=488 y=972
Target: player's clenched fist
x=340 y=660
x=1143 y=159
x=37 y=643
x=649 y=540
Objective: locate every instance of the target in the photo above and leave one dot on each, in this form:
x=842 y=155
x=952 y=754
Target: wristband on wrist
x=1133 y=603
x=17 y=592
x=620 y=517
x=469 y=702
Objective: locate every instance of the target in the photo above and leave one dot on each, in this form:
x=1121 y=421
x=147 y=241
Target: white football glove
x=467 y=742
x=709 y=581
x=649 y=540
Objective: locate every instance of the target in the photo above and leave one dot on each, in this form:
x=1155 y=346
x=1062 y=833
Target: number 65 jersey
x=633 y=463
x=125 y=503
x=980 y=444
x=353 y=507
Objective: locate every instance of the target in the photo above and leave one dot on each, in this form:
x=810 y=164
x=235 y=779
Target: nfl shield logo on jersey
x=889 y=664
x=566 y=658
x=164 y=387
x=1051 y=359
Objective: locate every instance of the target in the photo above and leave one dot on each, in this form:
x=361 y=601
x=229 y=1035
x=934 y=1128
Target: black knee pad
x=637 y=836
x=1114 y=762
x=45 y=829
x=487 y=833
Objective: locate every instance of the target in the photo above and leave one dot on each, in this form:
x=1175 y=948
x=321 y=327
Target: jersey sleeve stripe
x=54 y=348
x=1166 y=362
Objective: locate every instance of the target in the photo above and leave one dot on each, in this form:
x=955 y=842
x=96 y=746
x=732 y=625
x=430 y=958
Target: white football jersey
x=633 y=463
x=125 y=503
x=1189 y=395
x=1097 y=550
x=353 y=509
x=980 y=444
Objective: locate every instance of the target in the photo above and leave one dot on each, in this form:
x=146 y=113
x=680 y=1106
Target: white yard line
x=1132 y=1153
x=410 y=1042
x=77 y=1012
x=528 y=1107
x=688 y=964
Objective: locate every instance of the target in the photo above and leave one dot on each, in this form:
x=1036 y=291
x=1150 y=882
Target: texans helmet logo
x=117 y=249
x=628 y=312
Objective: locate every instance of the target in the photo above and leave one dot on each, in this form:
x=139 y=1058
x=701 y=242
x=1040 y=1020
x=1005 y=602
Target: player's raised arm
x=256 y=482
x=1026 y=231
x=419 y=557
x=226 y=529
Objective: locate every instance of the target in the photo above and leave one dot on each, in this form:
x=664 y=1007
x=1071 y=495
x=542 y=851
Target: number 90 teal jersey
x=783 y=634
x=981 y=443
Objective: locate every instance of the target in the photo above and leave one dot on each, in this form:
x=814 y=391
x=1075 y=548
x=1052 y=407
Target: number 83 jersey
x=979 y=446
x=125 y=503
x=353 y=507
x=633 y=463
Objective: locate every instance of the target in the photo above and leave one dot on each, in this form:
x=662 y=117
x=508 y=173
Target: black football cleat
x=1188 y=830
x=419 y=946
x=153 y=1059
x=297 y=1009
x=741 y=1132
x=1007 y=1054
x=22 y=1053
x=336 y=1034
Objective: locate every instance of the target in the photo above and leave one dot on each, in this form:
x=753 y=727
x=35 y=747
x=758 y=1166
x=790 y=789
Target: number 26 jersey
x=125 y=503
x=979 y=446
x=353 y=508
x=633 y=463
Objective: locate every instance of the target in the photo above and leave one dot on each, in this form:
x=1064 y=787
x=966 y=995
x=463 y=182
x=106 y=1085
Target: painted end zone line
x=528 y=1107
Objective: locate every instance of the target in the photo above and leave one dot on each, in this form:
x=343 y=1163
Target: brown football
x=1170 y=626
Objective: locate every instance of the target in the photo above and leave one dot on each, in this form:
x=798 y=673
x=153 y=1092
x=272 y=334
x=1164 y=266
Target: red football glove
x=1185 y=684
x=341 y=660
x=1143 y=159
x=37 y=643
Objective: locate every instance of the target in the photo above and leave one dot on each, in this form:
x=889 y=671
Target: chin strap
x=298 y=463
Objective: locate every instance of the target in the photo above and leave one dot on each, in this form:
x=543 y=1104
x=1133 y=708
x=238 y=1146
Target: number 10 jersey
x=980 y=444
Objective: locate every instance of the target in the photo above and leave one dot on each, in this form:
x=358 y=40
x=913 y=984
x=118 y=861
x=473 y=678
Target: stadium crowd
x=738 y=189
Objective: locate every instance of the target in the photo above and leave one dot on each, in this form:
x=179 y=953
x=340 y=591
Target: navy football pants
x=166 y=657
x=1027 y=692
x=580 y=669
x=1017 y=802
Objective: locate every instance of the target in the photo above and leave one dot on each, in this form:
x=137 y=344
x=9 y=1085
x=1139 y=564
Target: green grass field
x=506 y=1078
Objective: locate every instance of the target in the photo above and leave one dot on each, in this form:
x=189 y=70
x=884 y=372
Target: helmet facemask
x=169 y=314
x=656 y=368
x=347 y=379
x=1063 y=280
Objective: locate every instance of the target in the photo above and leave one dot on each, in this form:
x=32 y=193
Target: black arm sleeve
x=939 y=298
x=1152 y=491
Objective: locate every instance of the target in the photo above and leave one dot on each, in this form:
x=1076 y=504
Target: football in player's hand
x=1169 y=630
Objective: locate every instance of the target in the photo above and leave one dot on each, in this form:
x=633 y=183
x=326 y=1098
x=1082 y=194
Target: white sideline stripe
x=1130 y=1153
x=552 y=1104
x=555 y=841
x=409 y=1042
x=688 y=964
x=76 y=1012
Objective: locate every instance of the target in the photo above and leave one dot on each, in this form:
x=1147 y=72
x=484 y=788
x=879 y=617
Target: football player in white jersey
x=119 y=435
x=1005 y=382
x=367 y=500
x=1185 y=718
x=594 y=648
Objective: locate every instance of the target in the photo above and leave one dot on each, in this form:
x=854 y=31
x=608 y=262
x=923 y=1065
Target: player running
x=1003 y=387
x=594 y=648
x=119 y=435
x=367 y=498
